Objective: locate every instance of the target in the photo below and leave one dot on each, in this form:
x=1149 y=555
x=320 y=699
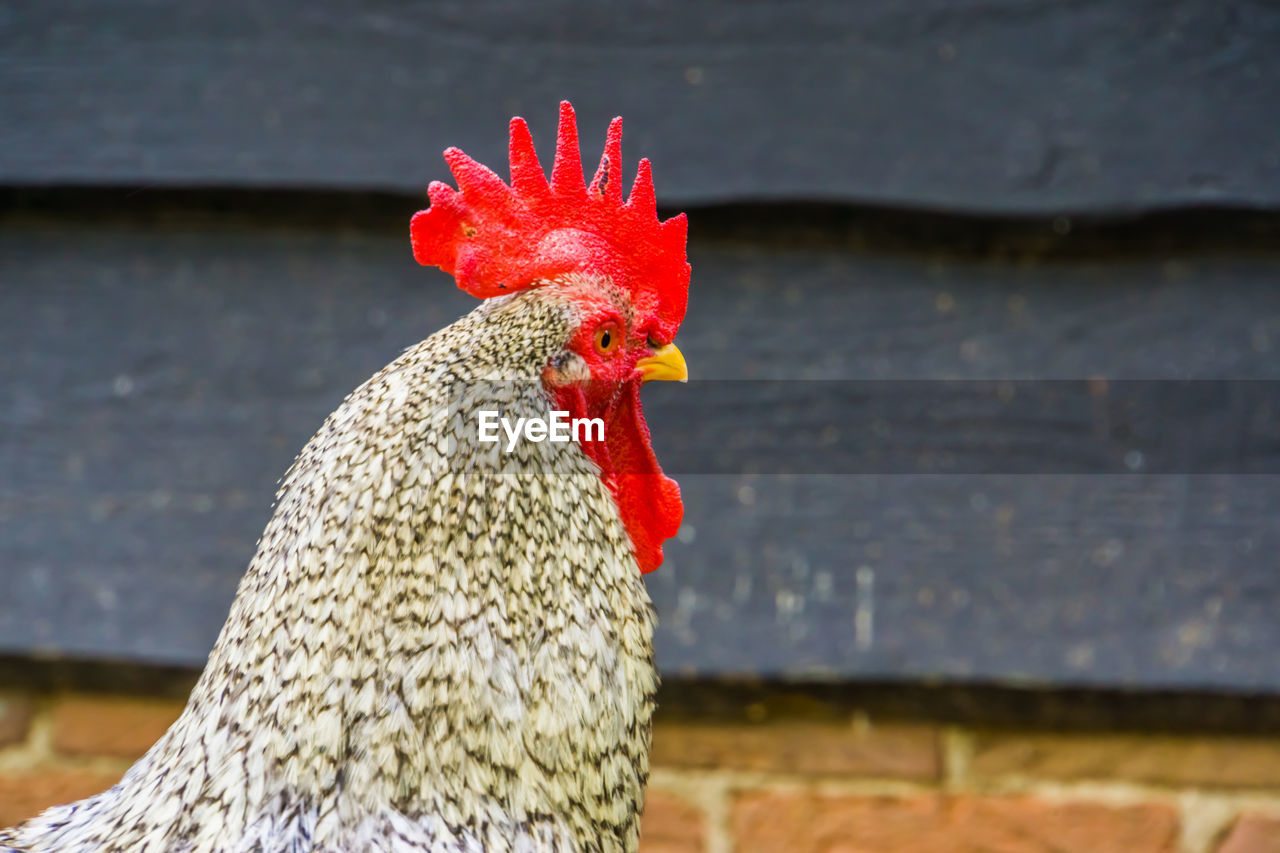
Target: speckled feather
x=437 y=646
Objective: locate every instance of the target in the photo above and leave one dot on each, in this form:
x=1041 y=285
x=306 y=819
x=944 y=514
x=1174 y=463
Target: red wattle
x=648 y=501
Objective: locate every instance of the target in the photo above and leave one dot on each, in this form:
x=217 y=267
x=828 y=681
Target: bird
x=443 y=642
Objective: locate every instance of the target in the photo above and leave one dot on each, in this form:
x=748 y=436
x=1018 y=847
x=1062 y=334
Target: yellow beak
x=665 y=363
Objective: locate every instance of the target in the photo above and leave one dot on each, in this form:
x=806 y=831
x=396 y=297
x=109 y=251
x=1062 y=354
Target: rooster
x=441 y=644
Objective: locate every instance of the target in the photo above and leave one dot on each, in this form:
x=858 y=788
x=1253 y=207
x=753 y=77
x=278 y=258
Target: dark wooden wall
x=1011 y=105
x=922 y=234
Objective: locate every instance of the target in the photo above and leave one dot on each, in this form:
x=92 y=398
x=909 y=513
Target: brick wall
x=784 y=784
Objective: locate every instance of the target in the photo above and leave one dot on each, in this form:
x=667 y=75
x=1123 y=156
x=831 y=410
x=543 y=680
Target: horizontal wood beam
x=1000 y=107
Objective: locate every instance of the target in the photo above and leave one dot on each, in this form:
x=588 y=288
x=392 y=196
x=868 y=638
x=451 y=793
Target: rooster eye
x=607 y=339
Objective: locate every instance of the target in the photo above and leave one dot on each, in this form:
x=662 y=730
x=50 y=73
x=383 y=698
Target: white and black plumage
x=438 y=645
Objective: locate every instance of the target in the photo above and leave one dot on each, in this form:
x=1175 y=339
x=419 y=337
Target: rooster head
x=624 y=271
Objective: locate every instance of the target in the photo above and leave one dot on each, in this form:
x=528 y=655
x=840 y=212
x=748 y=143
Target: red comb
x=496 y=239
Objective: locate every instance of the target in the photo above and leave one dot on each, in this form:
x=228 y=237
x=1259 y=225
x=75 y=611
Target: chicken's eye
x=608 y=339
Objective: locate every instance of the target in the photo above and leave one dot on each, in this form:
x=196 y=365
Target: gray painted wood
x=158 y=378
x=1006 y=106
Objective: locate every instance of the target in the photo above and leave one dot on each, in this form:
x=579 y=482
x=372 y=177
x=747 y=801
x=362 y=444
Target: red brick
x=25 y=795
x=1205 y=761
x=1253 y=833
x=808 y=823
x=671 y=825
x=112 y=726
x=887 y=752
x=16 y=710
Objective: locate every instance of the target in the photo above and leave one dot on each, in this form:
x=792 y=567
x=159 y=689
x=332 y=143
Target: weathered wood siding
x=1015 y=105
x=883 y=196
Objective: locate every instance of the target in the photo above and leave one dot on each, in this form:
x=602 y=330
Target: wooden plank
x=1006 y=106
x=950 y=426
x=159 y=377
x=986 y=706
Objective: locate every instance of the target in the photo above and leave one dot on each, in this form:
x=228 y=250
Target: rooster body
x=422 y=654
x=439 y=645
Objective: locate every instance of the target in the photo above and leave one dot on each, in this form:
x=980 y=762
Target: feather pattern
x=437 y=646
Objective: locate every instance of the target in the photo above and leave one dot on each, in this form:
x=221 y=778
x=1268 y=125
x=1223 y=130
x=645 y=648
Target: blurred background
x=981 y=460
